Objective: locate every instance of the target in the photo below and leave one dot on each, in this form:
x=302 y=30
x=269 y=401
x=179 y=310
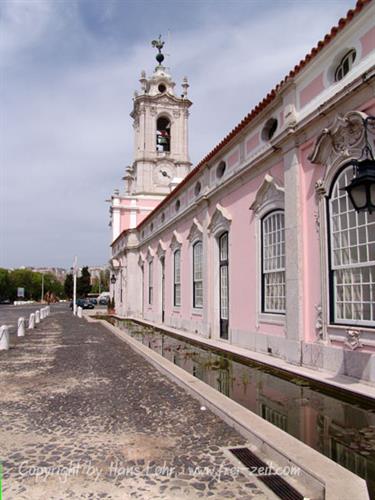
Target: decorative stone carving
x=320 y=189
x=150 y=254
x=319 y=323
x=196 y=231
x=352 y=339
x=343 y=140
x=153 y=111
x=141 y=260
x=160 y=249
x=269 y=192
x=317 y=221
x=176 y=113
x=290 y=116
x=220 y=220
x=175 y=241
x=114 y=264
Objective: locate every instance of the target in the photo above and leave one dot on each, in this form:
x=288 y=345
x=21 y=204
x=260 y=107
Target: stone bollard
x=4 y=338
x=21 y=327
x=79 y=311
x=32 y=321
x=37 y=317
x=42 y=313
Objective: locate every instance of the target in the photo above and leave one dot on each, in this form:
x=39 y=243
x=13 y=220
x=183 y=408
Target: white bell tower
x=161 y=156
x=160 y=131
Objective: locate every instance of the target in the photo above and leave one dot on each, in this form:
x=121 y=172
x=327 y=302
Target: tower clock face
x=164 y=174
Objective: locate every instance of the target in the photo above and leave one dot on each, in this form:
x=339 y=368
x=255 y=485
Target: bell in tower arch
x=163 y=134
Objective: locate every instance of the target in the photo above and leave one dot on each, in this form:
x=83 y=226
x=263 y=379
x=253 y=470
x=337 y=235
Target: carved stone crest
x=319 y=323
x=352 y=339
x=344 y=139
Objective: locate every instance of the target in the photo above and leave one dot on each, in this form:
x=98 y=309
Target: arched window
x=273 y=263
x=150 y=283
x=163 y=134
x=177 y=278
x=198 y=274
x=352 y=257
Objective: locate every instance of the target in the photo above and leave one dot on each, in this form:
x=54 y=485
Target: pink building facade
x=258 y=245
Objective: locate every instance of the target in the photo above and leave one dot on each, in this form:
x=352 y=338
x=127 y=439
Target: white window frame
x=175 y=244
x=273 y=262
x=351 y=237
x=150 y=282
x=269 y=198
x=177 y=278
x=197 y=274
x=347 y=58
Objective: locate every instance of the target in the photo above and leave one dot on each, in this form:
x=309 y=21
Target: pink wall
x=311 y=90
x=252 y=143
x=234 y=158
x=244 y=254
x=368 y=42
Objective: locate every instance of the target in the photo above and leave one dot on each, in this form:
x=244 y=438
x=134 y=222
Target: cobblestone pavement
x=85 y=417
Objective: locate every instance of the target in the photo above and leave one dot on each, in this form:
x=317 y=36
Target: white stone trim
x=150 y=254
x=269 y=197
x=161 y=248
x=196 y=231
x=176 y=241
x=220 y=221
x=334 y=147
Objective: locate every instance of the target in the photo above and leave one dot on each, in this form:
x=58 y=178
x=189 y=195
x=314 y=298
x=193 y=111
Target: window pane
x=273 y=262
x=198 y=274
x=353 y=258
x=177 y=278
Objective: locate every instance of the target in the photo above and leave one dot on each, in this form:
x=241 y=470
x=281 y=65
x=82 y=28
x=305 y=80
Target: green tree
x=5 y=284
x=104 y=280
x=83 y=283
x=68 y=285
x=53 y=285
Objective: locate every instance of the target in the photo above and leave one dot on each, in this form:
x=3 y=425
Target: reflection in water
x=343 y=431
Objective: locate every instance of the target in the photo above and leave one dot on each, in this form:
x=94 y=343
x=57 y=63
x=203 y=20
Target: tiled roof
x=344 y=21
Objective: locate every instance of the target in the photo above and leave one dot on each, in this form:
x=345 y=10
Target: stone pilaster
x=293 y=255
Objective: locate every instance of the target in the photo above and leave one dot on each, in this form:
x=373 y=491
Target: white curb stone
x=4 y=338
x=21 y=327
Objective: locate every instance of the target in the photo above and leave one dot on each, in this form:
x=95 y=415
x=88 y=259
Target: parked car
x=84 y=303
x=104 y=301
x=93 y=301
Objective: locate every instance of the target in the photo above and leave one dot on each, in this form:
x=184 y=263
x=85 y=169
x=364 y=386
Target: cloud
x=66 y=135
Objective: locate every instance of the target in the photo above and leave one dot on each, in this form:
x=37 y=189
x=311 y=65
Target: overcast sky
x=68 y=72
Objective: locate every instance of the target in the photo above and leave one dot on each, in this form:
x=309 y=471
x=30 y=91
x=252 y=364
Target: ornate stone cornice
x=196 y=231
x=270 y=192
x=220 y=220
x=175 y=241
x=343 y=140
x=160 y=249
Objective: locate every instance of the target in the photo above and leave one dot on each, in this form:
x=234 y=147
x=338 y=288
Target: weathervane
x=158 y=44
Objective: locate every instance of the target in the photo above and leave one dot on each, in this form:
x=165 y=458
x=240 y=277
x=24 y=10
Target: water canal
x=339 y=425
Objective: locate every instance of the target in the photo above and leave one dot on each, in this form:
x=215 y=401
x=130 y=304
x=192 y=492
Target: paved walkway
x=85 y=417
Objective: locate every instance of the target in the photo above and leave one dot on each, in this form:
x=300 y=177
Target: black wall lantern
x=361 y=190
x=113 y=279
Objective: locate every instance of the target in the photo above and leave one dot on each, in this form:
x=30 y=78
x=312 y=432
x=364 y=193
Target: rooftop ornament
x=361 y=190
x=158 y=44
